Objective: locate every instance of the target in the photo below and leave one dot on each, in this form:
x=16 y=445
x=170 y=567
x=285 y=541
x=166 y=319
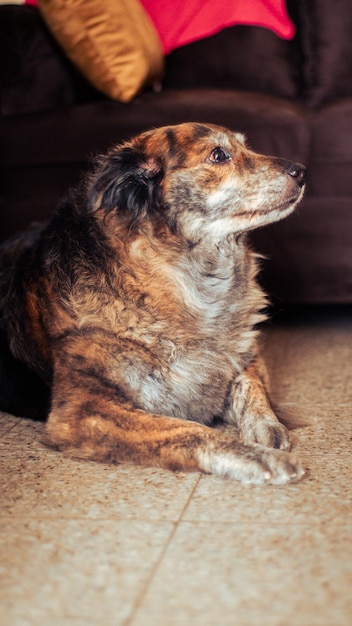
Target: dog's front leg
x=249 y=408
x=90 y=419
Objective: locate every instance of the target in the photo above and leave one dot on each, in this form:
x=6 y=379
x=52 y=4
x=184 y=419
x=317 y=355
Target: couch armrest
x=34 y=73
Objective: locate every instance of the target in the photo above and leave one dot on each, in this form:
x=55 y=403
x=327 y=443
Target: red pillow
x=182 y=21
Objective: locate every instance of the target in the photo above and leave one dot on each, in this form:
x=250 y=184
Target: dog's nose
x=298 y=171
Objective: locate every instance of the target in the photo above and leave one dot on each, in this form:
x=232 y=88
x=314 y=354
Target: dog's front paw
x=283 y=467
x=256 y=465
x=267 y=432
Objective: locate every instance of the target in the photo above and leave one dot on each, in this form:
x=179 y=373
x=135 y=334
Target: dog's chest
x=189 y=379
x=194 y=346
x=181 y=334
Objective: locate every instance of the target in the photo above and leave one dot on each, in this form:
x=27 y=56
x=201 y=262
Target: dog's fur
x=138 y=304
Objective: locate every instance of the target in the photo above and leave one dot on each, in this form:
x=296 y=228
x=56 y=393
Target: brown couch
x=291 y=98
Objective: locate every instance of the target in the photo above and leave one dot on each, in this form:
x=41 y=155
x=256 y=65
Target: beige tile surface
x=87 y=569
x=328 y=430
x=84 y=544
x=22 y=433
x=252 y=574
x=324 y=496
x=43 y=483
x=7 y=422
x=310 y=356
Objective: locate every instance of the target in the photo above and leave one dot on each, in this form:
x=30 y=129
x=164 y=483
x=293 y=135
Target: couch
x=292 y=99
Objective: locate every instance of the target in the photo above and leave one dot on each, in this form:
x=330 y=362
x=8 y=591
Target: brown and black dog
x=138 y=304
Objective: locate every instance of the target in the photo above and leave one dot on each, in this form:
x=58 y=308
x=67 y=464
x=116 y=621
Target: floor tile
x=24 y=433
x=86 y=570
x=86 y=544
x=252 y=575
x=311 y=361
x=323 y=496
x=44 y=483
x=7 y=422
x=328 y=430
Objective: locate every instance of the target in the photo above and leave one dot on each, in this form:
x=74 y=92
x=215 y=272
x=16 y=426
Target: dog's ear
x=127 y=181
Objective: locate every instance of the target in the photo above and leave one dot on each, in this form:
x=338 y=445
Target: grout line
x=7 y=431
x=187 y=503
x=154 y=569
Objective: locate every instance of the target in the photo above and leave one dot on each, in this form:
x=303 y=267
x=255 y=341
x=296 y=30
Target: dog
x=138 y=304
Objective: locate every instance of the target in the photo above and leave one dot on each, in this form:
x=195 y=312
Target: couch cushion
x=330 y=169
x=273 y=125
x=182 y=22
x=326 y=29
x=34 y=74
x=42 y=154
x=113 y=43
x=241 y=58
x=309 y=253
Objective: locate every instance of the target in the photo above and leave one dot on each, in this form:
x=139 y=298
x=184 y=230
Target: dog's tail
x=291 y=414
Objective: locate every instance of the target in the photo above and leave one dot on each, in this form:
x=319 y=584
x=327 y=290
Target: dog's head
x=201 y=181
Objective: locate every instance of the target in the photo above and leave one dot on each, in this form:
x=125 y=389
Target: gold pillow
x=112 y=42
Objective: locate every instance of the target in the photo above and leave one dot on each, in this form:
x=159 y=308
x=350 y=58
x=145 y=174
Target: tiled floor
x=84 y=544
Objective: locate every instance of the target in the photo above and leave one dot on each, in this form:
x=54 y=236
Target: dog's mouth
x=250 y=220
x=284 y=206
x=290 y=203
x=279 y=208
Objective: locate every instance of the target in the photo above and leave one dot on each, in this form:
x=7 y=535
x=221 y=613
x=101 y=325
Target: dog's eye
x=218 y=155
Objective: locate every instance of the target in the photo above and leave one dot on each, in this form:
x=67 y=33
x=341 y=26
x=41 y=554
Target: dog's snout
x=297 y=171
